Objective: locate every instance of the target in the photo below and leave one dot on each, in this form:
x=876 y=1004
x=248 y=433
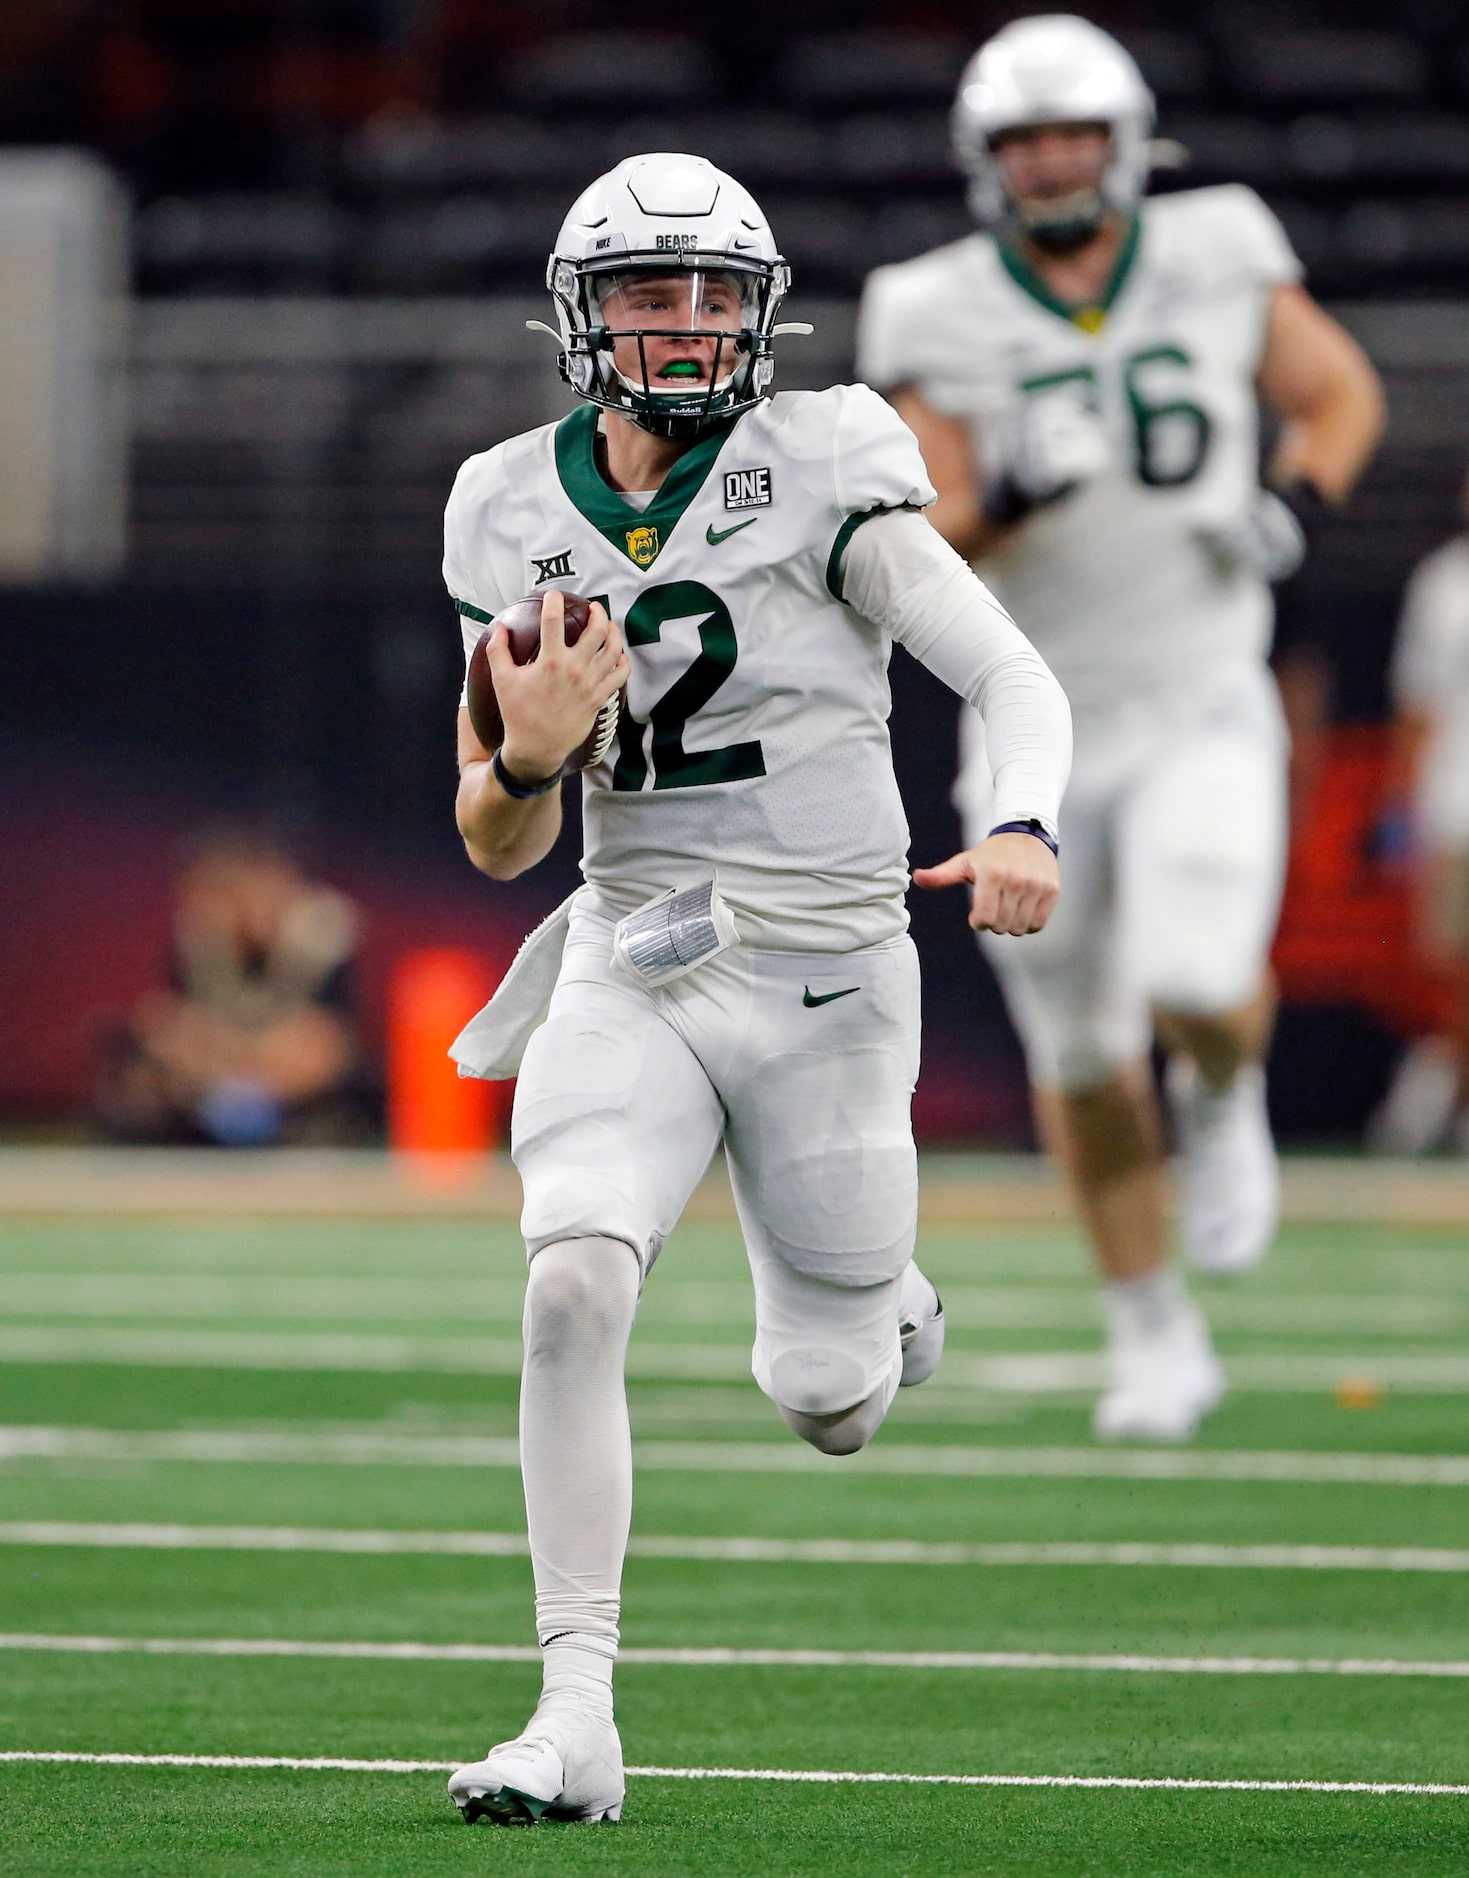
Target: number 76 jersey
x=754 y=740
x=1122 y=584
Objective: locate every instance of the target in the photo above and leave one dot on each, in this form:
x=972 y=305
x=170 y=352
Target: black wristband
x=1005 y=503
x=1032 y=827
x=1306 y=502
x=521 y=791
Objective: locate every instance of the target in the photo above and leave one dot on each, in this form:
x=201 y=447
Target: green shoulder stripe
x=844 y=535
x=473 y=612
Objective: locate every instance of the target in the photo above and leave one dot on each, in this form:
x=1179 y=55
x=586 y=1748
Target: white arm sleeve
x=902 y=575
x=466 y=571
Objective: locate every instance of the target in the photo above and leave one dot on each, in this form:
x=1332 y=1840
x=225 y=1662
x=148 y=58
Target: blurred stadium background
x=292 y=244
x=264 y=268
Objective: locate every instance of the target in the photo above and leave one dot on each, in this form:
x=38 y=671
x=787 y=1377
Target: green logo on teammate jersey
x=827 y=997
x=715 y=535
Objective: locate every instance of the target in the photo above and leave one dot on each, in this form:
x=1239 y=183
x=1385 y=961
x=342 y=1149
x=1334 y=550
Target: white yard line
x=821 y=1776
x=345 y=1351
x=335 y=1447
x=1062 y=1372
x=363 y=1298
x=1023 y=1660
x=751 y=1550
x=393 y=1447
x=1025 y=1463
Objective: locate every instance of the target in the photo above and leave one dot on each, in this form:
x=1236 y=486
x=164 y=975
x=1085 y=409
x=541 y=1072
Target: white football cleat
x=567 y=1766
x=1162 y=1383
x=1417 y=1114
x=920 y=1327
x=1229 y=1178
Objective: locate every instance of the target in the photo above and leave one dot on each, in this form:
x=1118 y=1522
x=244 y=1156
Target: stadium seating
x=846 y=71
x=592 y=69
x=1359 y=138
x=1360 y=142
x=1287 y=68
x=241 y=243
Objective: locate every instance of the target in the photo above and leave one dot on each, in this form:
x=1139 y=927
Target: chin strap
x=1077 y=218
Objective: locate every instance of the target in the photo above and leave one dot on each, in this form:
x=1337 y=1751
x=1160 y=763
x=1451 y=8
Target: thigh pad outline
x=835 y=1171
x=614 y=1122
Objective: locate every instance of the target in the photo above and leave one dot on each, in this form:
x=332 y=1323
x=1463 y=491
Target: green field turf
x=119 y=1337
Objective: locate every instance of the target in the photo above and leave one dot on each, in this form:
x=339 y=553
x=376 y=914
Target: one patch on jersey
x=747 y=489
x=552 y=567
x=643 y=545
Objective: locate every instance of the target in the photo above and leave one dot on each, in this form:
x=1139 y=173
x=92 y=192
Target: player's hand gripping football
x=1016 y=882
x=550 y=704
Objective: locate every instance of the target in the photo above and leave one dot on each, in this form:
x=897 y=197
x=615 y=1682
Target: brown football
x=523 y=623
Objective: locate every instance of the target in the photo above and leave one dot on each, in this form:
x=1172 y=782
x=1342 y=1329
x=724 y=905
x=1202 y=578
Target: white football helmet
x=1053 y=69
x=659 y=214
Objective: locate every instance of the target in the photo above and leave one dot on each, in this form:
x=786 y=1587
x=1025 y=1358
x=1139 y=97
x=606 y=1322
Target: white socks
x=576 y=1453
x=576 y=1672
x=1140 y=1308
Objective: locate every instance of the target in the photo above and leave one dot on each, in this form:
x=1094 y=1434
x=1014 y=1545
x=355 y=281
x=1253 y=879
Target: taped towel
x=492 y=1043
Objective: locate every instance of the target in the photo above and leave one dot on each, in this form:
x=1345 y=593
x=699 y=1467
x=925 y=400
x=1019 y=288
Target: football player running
x=736 y=966
x=1082 y=376
x=1426 y=820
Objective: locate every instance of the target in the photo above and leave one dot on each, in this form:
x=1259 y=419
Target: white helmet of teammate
x=662 y=214
x=1053 y=69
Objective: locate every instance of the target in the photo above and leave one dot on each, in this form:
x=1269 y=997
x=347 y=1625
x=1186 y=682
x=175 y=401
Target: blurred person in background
x=1082 y=377
x=1426 y=823
x=254 y=1039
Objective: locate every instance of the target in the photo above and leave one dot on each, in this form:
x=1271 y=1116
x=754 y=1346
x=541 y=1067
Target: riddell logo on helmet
x=679 y=243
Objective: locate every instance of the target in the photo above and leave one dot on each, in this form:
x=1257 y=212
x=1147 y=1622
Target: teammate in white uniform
x=761 y=555
x=1082 y=377
x=1428 y=1105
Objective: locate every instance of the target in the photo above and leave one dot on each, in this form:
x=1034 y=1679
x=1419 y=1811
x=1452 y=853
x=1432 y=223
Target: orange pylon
x=432 y=994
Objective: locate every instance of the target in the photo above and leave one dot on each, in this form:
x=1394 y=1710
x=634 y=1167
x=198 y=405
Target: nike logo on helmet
x=715 y=535
x=827 y=997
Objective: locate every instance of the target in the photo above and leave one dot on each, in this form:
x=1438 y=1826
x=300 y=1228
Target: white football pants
x=803 y=1065
x=1173 y=846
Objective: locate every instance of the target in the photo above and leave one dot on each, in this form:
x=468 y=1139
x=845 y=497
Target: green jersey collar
x=1088 y=318
x=640 y=535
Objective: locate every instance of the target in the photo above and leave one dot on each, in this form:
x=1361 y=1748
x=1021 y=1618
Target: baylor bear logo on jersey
x=552 y=567
x=643 y=545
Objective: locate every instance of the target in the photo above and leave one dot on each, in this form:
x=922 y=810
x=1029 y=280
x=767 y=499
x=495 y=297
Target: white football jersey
x=1116 y=583
x=754 y=740
x=1430 y=678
